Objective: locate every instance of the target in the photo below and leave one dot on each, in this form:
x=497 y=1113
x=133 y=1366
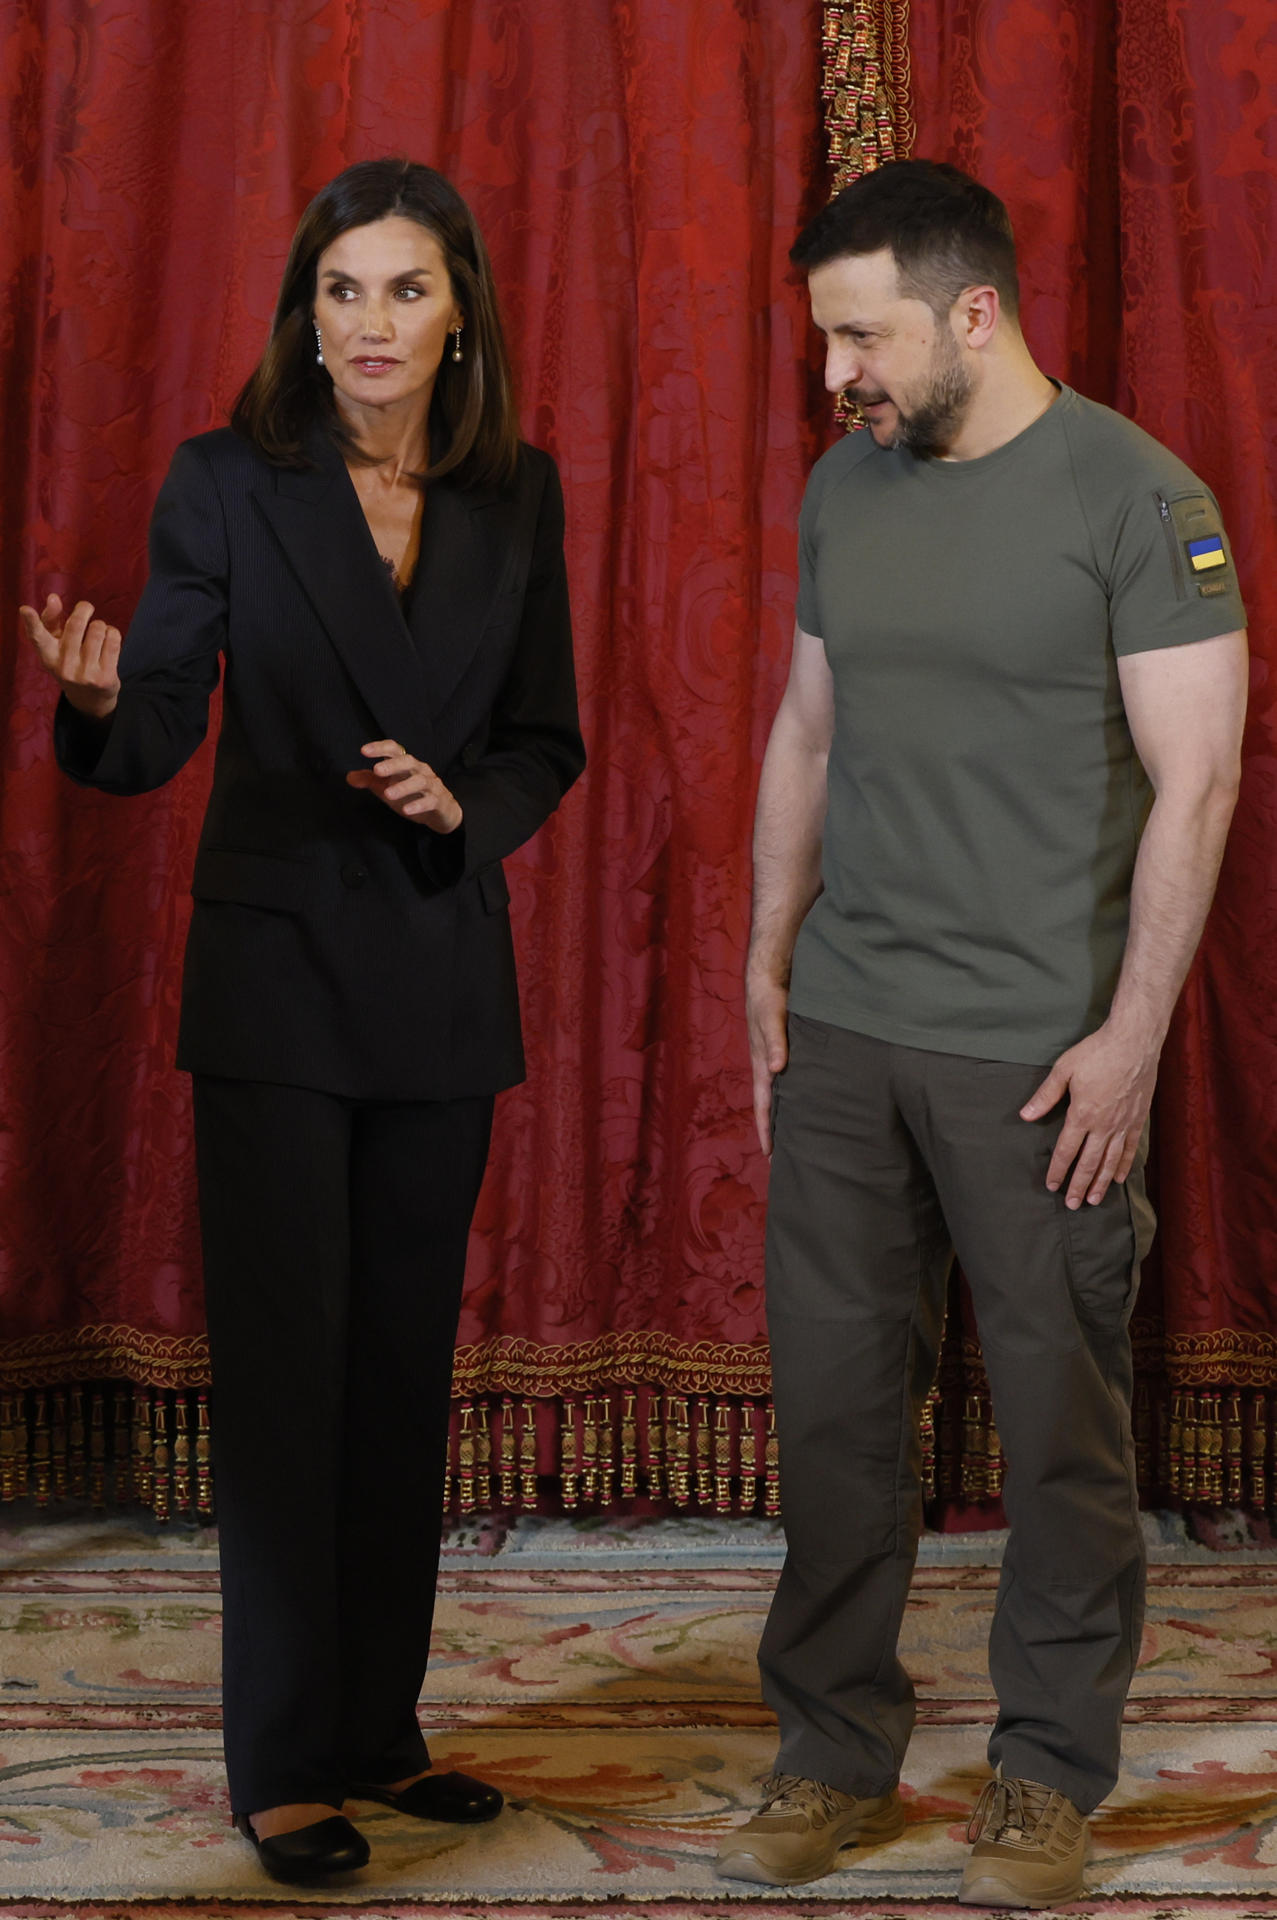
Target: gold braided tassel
x=58 y=1434
x=181 y=1455
x=21 y=1447
x=568 y=1455
x=122 y=1448
x=654 y=1433
x=8 y=1450
x=722 y=1458
x=1175 y=1446
x=1257 y=1451
x=1210 y=1470
x=160 y=1488
x=482 y=1459
x=704 y=1454
x=927 y=1440
x=97 y=1450
x=974 y=1468
x=629 y=1448
x=1233 y=1454
x=203 y=1459
x=771 y=1471
x=607 y=1454
x=143 y=1480
x=677 y=1427
x=76 y=1464
x=507 y=1455
x=42 y=1452
x=748 y=1458
x=590 y=1452
x=528 y=1457
x=993 y=1460
x=465 y=1460
x=1188 y=1443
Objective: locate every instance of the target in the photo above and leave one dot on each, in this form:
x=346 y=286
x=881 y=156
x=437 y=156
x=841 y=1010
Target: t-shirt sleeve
x=1172 y=578
x=808 y=609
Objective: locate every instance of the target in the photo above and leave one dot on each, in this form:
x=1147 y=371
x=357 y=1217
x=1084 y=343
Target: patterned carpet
x=611 y=1692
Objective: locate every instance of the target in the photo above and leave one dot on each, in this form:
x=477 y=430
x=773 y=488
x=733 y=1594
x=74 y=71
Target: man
x=992 y=811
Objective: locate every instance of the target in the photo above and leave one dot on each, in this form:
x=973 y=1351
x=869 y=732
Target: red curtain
x=639 y=173
x=1135 y=142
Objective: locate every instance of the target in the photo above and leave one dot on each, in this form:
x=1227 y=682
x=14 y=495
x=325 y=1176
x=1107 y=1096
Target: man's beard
x=929 y=430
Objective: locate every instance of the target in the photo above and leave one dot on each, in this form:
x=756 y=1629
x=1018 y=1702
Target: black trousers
x=886 y=1158
x=334 y=1236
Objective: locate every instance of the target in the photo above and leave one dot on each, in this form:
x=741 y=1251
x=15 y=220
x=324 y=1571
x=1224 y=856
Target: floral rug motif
x=618 y=1710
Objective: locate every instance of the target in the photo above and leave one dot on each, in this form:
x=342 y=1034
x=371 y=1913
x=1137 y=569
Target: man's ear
x=975 y=314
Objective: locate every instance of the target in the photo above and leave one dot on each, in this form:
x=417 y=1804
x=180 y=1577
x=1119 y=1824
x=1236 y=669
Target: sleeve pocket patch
x=1200 y=534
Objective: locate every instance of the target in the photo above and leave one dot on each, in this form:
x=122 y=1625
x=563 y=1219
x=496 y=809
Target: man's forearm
x=1175 y=874
x=788 y=828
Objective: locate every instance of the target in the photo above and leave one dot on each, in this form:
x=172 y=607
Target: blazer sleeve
x=534 y=750
x=169 y=661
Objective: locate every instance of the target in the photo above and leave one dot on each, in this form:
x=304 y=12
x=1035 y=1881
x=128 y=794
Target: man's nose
x=842 y=369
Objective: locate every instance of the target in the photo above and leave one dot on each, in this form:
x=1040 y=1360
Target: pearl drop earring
x=319 y=346
x=456 y=350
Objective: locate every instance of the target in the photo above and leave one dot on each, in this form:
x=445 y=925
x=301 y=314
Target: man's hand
x=417 y=791
x=81 y=653
x=1109 y=1079
x=766 y=1010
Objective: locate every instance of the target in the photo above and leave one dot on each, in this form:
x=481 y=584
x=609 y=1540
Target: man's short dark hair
x=944 y=230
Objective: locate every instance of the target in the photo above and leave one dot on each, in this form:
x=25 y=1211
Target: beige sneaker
x=1030 y=1847
x=800 y=1829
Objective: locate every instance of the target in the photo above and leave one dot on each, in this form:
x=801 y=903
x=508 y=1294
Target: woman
x=380 y=561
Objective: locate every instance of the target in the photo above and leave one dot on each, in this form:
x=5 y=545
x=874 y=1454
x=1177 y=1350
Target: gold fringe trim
x=525 y=1367
x=1226 y=1358
x=168 y=1361
x=711 y=1453
x=118 y=1444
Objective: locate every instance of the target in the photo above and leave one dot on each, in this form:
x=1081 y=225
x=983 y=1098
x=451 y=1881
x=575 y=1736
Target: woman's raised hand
x=82 y=654
x=407 y=786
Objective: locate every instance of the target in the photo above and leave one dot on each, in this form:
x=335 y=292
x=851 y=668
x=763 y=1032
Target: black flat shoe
x=309 y=1853
x=439 y=1796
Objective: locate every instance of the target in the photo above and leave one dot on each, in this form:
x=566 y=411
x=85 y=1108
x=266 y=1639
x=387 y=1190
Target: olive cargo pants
x=887 y=1158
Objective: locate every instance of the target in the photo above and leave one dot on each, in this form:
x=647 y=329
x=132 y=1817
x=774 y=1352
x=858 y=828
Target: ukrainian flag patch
x=1206 y=553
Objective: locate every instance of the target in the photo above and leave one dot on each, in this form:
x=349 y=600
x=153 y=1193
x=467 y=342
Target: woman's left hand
x=407 y=786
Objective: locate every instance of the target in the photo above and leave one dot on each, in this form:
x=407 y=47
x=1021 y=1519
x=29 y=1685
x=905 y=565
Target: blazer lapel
x=319 y=523
x=464 y=562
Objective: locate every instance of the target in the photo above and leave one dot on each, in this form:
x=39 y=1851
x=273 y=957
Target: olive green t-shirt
x=985 y=798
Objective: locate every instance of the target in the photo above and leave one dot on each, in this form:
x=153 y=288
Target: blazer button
x=352 y=875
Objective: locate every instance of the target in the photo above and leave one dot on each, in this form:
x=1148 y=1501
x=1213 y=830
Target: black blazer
x=334 y=944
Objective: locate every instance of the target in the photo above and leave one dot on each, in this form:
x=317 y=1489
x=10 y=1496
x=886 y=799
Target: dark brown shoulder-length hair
x=474 y=427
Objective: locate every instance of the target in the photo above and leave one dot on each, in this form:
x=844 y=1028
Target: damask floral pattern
x=639 y=172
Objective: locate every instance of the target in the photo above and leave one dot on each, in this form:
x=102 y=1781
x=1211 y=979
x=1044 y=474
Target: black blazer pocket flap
x=494 y=888
x=251 y=879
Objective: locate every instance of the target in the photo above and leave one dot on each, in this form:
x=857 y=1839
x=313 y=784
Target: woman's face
x=384 y=306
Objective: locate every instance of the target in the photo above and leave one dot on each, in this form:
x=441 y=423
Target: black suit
x=333 y=944
x=349 y=1009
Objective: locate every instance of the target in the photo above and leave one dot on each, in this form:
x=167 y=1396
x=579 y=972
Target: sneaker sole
x=989 y=1890
x=872 y=1832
